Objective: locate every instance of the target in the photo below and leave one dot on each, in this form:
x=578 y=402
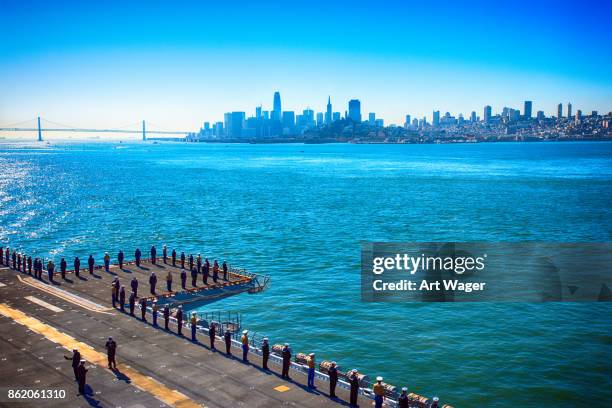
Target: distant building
x=336 y=116
x=288 y=121
x=436 y=118
x=276 y=111
x=328 y=112
x=473 y=117
x=527 y=110
x=380 y=123
x=594 y=114
x=540 y=115
x=578 y=115
x=407 y=122
x=372 y=118
x=354 y=112
x=234 y=122
x=218 y=130
x=569 y=110
x=258 y=112
x=487 y=114
x=560 y=111
x=319 y=118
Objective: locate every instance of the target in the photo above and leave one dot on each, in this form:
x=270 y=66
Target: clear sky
x=178 y=64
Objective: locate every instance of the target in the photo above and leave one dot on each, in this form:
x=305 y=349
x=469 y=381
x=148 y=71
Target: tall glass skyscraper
x=354 y=112
x=328 y=112
x=527 y=110
x=276 y=111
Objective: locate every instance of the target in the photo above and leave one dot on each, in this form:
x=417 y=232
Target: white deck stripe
x=42 y=303
x=2 y=285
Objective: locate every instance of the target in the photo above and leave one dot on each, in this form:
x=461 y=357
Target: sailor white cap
x=379 y=378
x=287 y=344
x=82 y=361
x=312 y=354
x=180 y=307
x=436 y=399
x=265 y=339
x=193 y=313
x=404 y=389
x=245 y=331
x=333 y=363
x=110 y=337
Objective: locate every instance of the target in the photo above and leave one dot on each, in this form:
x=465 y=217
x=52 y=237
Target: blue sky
x=178 y=64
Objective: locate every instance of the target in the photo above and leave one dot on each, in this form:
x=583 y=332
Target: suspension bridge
x=50 y=126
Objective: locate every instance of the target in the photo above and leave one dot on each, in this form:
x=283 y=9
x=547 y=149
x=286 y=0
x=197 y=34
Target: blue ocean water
x=299 y=212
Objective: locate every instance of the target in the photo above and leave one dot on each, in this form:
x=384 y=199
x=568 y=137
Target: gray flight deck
x=31 y=361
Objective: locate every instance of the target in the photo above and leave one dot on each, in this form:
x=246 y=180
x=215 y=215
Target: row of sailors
x=21 y=262
x=353 y=379
x=24 y=263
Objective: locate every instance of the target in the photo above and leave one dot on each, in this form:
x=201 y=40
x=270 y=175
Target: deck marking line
x=42 y=303
x=157 y=389
x=70 y=297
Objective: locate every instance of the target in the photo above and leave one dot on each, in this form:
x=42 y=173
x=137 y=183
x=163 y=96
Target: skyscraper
x=371 y=118
x=319 y=118
x=407 y=123
x=560 y=111
x=258 y=112
x=289 y=121
x=276 y=111
x=436 y=118
x=473 y=117
x=328 y=112
x=234 y=122
x=569 y=110
x=354 y=112
x=527 y=110
x=487 y=114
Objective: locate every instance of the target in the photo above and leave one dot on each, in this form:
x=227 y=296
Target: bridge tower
x=39 y=131
x=144 y=132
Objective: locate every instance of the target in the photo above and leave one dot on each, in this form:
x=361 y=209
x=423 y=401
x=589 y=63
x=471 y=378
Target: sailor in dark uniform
x=134 y=285
x=132 y=303
x=153 y=254
x=286 y=361
x=82 y=376
x=434 y=403
x=91 y=262
x=190 y=261
x=179 y=320
x=174 y=257
x=14 y=259
x=212 y=332
x=227 y=336
x=153 y=282
x=194 y=277
x=122 y=298
x=402 y=400
x=183 y=278
x=333 y=379
x=120 y=258
x=143 y=309
x=166 y=316
x=165 y=253
x=29 y=265
x=224 y=270
x=111 y=349
x=77 y=265
x=76 y=359
x=183 y=260
x=354 y=382
x=265 y=352
x=137 y=255
x=63 y=266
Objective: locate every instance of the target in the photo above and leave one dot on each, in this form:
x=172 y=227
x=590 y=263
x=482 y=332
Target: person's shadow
x=88 y=395
x=120 y=376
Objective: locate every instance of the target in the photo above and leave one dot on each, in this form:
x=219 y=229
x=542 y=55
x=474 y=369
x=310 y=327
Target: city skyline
x=90 y=66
